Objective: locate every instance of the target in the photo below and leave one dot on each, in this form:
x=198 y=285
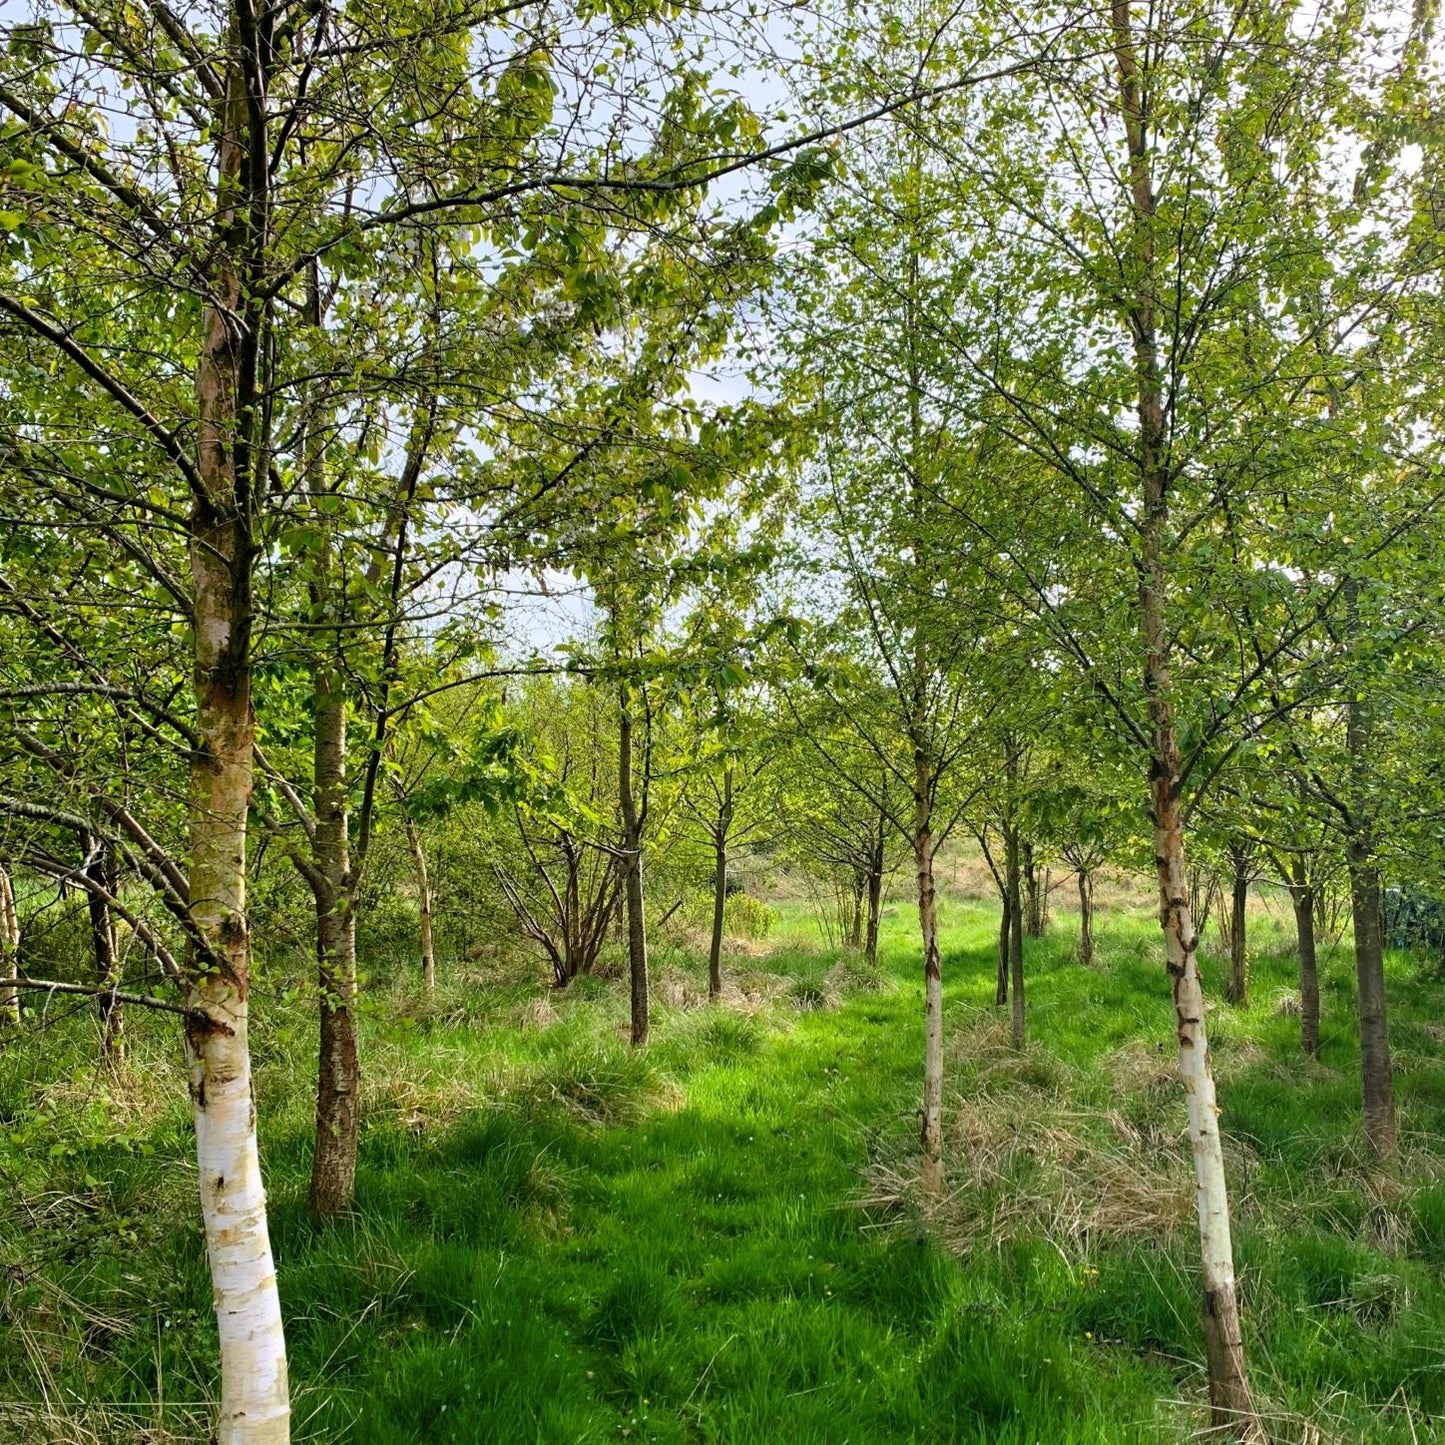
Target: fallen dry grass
x=1072 y=1178
x=1023 y=1161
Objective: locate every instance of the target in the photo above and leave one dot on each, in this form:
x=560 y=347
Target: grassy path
x=704 y=1273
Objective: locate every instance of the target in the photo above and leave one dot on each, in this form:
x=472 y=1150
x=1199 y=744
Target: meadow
x=560 y=1239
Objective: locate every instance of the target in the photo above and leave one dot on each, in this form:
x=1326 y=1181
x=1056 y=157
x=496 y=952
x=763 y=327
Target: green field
x=560 y=1239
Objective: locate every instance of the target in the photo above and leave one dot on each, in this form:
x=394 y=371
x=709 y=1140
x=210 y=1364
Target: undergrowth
x=559 y=1238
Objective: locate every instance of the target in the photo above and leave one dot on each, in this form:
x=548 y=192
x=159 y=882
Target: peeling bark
x=255 y=1401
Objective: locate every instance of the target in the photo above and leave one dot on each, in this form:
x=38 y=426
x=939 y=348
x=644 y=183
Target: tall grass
x=560 y=1239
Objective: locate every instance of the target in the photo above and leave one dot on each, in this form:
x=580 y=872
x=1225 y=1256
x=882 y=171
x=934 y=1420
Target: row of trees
x=1124 y=370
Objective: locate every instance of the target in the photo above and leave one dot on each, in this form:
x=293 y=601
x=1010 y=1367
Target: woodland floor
x=561 y=1240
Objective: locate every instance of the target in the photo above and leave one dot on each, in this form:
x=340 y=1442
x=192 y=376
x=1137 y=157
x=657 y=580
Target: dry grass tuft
x=1023 y=1163
x=421 y=1099
x=1142 y=1068
x=1023 y=1167
x=72 y=1422
x=982 y=1039
x=677 y=990
x=534 y=1013
x=852 y=974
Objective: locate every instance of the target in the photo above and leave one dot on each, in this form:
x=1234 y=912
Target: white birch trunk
x=255 y=1400
x=255 y=1408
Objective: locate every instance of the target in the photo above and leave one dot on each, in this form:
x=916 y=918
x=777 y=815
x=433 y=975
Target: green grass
x=561 y=1239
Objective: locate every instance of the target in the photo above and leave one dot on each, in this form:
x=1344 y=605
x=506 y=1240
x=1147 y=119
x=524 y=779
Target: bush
x=744 y=916
x=747 y=917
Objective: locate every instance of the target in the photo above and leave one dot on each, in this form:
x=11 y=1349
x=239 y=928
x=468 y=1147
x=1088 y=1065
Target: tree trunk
x=1231 y=1405
x=1377 y=1085
x=931 y=1174
x=719 y=907
x=1016 y=941
x=1005 y=927
x=1302 y=895
x=255 y=1405
x=855 y=918
x=1238 y=931
x=338 y=1081
x=100 y=869
x=255 y=1401
x=423 y=905
x=574 y=959
x=722 y=827
x=9 y=952
x=1034 y=904
x=875 y=908
x=1086 y=916
x=632 y=848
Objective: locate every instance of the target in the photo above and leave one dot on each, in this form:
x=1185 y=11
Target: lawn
x=560 y=1239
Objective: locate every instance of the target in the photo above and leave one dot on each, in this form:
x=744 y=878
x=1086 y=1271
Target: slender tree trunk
x=855 y=918
x=338 y=1083
x=1231 y=1405
x=632 y=847
x=1377 y=1084
x=9 y=953
x=1005 y=927
x=1302 y=895
x=1033 y=910
x=722 y=827
x=1086 y=916
x=255 y=1401
x=719 y=908
x=574 y=960
x=1238 y=931
x=1016 y=942
x=1229 y=1394
x=423 y=905
x=932 y=1131
x=875 y=908
x=100 y=868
